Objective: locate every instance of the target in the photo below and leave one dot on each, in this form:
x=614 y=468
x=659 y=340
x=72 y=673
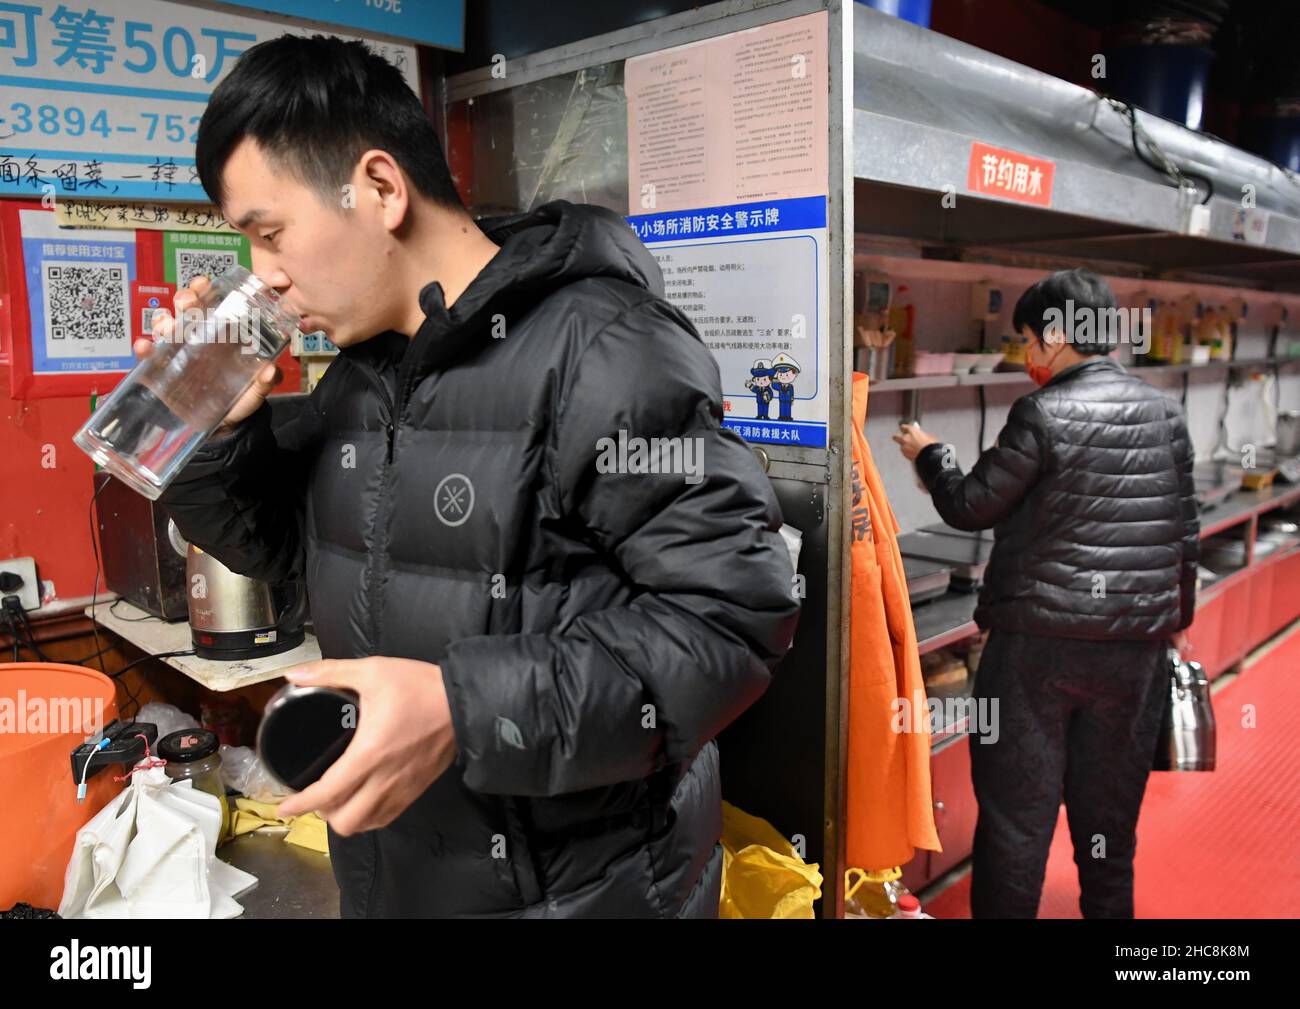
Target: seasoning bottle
x=196 y=754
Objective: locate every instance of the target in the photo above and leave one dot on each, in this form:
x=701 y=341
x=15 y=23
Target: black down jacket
x=446 y=500
x=1090 y=496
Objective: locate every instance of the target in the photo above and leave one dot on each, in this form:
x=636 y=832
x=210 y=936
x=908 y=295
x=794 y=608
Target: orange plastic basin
x=40 y=726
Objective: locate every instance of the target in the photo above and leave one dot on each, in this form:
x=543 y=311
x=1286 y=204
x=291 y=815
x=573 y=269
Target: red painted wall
x=45 y=480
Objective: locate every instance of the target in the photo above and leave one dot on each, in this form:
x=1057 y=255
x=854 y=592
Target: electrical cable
x=16 y=620
x=94 y=589
x=132 y=697
x=983 y=405
x=1154 y=157
x=31 y=635
x=24 y=635
x=13 y=632
x=130 y=620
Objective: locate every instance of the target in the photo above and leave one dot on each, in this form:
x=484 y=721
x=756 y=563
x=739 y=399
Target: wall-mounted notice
x=104 y=100
x=727 y=142
x=753 y=280
x=736 y=118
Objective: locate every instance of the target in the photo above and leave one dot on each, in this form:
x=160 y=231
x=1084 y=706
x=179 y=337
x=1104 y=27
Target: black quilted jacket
x=595 y=629
x=1089 y=492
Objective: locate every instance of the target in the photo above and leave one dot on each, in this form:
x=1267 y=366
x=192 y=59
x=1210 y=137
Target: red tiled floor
x=1219 y=845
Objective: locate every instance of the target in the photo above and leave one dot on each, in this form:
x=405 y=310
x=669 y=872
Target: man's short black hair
x=315 y=105
x=1084 y=291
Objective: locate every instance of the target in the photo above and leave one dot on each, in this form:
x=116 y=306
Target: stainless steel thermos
x=1187 y=736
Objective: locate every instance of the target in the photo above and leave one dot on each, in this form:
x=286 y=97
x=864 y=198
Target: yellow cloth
x=307 y=831
x=762 y=875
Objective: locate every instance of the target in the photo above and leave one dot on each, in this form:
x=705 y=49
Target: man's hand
x=404 y=741
x=164 y=330
x=1179 y=642
x=911 y=439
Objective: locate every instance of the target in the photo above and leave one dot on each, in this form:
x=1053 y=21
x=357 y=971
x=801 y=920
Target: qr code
x=191 y=264
x=86 y=303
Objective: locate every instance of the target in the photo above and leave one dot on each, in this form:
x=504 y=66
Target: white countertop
x=154 y=635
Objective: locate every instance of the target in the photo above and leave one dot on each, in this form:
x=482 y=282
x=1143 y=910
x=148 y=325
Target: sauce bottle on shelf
x=902 y=320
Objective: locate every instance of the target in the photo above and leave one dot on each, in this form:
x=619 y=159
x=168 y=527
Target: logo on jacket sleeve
x=508 y=732
x=453 y=499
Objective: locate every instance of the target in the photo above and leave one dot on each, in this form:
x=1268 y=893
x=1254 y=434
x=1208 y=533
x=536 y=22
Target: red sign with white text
x=995 y=171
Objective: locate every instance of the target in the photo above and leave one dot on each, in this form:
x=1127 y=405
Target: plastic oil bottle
x=873 y=894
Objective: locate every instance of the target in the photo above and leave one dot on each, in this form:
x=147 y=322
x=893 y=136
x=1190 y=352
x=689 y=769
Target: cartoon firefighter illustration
x=784 y=369
x=760 y=381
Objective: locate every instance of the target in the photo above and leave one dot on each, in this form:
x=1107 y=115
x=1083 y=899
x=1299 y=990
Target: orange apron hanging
x=890 y=810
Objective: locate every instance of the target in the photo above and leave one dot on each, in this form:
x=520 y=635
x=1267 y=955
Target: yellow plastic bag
x=762 y=875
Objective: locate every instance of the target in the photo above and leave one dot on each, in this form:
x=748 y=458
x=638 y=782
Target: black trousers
x=1076 y=720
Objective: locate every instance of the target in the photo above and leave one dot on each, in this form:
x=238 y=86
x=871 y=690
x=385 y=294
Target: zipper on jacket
x=410 y=360
x=389 y=428
x=381 y=516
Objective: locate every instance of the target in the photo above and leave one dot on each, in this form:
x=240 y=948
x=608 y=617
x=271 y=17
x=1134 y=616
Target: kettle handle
x=179 y=543
x=294 y=611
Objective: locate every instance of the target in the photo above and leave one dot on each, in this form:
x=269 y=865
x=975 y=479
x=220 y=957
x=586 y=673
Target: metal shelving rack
x=920 y=101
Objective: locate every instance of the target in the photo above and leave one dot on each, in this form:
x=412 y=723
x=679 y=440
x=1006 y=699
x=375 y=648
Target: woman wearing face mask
x=1090 y=496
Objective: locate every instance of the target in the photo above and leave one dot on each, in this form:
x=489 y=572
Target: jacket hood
x=541 y=251
x=560 y=242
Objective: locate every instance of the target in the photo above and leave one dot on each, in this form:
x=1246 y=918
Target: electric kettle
x=233 y=616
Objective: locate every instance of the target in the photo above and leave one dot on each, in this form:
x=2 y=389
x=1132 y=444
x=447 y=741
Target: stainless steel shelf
x=950 y=381
x=1022 y=378
x=944 y=620
x=993 y=378
x=1178 y=369
x=1266 y=362
x=1246 y=504
x=922 y=99
x=910 y=384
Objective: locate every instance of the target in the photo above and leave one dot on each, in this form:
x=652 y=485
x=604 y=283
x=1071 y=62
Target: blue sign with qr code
x=79 y=296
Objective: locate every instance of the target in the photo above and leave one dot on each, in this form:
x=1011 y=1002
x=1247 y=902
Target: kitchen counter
x=292 y=881
x=155 y=636
x=944 y=620
x=1245 y=503
x=949 y=618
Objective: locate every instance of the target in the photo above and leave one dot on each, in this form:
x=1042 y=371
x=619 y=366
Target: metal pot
x=1288 y=432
